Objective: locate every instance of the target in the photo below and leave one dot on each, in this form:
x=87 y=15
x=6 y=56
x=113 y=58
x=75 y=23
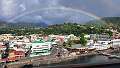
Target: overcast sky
x=57 y=10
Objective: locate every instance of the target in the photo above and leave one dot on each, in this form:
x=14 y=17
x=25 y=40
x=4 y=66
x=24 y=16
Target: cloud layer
x=11 y=9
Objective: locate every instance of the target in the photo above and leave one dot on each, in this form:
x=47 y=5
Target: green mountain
x=106 y=20
x=4 y=24
x=96 y=22
x=112 y=20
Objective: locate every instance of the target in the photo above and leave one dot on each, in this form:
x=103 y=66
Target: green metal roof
x=42 y=41
x=38 y=41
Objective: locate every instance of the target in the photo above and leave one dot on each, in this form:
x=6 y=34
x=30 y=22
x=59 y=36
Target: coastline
x=53 y=60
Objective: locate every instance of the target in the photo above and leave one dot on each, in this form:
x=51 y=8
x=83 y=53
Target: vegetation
x=65 y=29
x=112 y=22
x=68 y=44
x=83 y=40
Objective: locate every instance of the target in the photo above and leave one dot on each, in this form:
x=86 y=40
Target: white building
x=40 y=47
x=115 y=42
x=99 y=46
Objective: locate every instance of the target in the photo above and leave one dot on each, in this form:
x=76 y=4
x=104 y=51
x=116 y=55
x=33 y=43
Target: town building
x=40 y=47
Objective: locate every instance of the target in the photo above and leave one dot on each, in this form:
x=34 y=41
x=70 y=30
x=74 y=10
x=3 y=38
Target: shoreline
x=53 y=60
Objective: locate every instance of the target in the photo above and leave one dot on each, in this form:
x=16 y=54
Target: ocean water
x=95 y=59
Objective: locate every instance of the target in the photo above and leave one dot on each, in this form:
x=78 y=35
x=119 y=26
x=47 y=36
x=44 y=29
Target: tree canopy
x=83 y=40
